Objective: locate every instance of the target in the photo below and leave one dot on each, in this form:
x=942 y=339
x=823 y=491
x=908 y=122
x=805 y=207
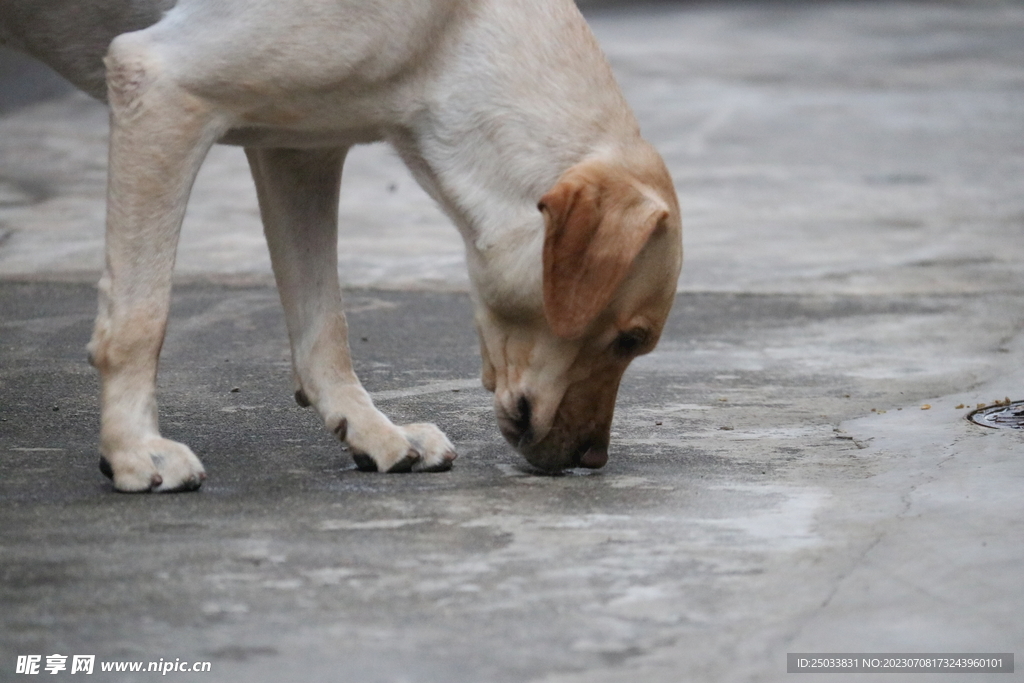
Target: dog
x=507 y=114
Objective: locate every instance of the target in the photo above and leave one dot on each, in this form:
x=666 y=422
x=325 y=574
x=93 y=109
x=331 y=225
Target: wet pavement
x=791 y=470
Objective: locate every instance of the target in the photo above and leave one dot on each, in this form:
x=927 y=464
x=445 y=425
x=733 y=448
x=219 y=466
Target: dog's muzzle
x=564 y=446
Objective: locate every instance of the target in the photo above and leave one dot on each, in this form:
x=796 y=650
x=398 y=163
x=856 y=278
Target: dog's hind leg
x=298 y=195
x=159 y=137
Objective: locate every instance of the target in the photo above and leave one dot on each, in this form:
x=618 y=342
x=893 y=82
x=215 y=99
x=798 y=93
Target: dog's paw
x=155 y=464
x=436 y=451
x=387 y=448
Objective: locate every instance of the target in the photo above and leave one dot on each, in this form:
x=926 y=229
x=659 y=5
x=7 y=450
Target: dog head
x=611 y=258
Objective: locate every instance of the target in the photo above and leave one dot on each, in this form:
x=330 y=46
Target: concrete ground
x=791 y=469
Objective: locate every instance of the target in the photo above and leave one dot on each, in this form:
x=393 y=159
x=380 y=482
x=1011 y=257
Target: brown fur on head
x=612 y=254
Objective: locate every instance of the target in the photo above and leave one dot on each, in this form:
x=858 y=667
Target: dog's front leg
x=159 y=137
x=298 y=195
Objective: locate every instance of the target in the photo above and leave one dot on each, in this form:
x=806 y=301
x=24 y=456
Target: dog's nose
x=517 y=427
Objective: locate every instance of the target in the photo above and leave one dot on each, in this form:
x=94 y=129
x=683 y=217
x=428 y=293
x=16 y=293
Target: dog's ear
x=598 y=219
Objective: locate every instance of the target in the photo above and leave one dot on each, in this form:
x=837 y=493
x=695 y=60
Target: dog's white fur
x=495 y=106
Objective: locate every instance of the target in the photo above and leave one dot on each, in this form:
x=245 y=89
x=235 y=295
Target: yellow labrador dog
x=505 y=111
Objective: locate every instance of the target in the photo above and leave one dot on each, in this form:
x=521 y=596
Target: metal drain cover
x=1005 y=416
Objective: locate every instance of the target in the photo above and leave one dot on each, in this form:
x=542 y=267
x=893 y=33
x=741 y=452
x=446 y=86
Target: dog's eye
x=631 y=342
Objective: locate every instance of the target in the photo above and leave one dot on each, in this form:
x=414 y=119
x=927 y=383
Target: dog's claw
x=190 y=484
x=159 y=465
x=405 y=464
x=364 y=462
x=437 y=453
x=422 y=448
x=106 y=469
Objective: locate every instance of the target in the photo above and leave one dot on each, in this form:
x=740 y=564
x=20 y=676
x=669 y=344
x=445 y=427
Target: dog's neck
x=487 y=137
x=501 y=227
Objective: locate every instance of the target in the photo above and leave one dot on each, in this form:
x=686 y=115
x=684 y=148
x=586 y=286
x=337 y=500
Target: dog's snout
x=577 y=435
